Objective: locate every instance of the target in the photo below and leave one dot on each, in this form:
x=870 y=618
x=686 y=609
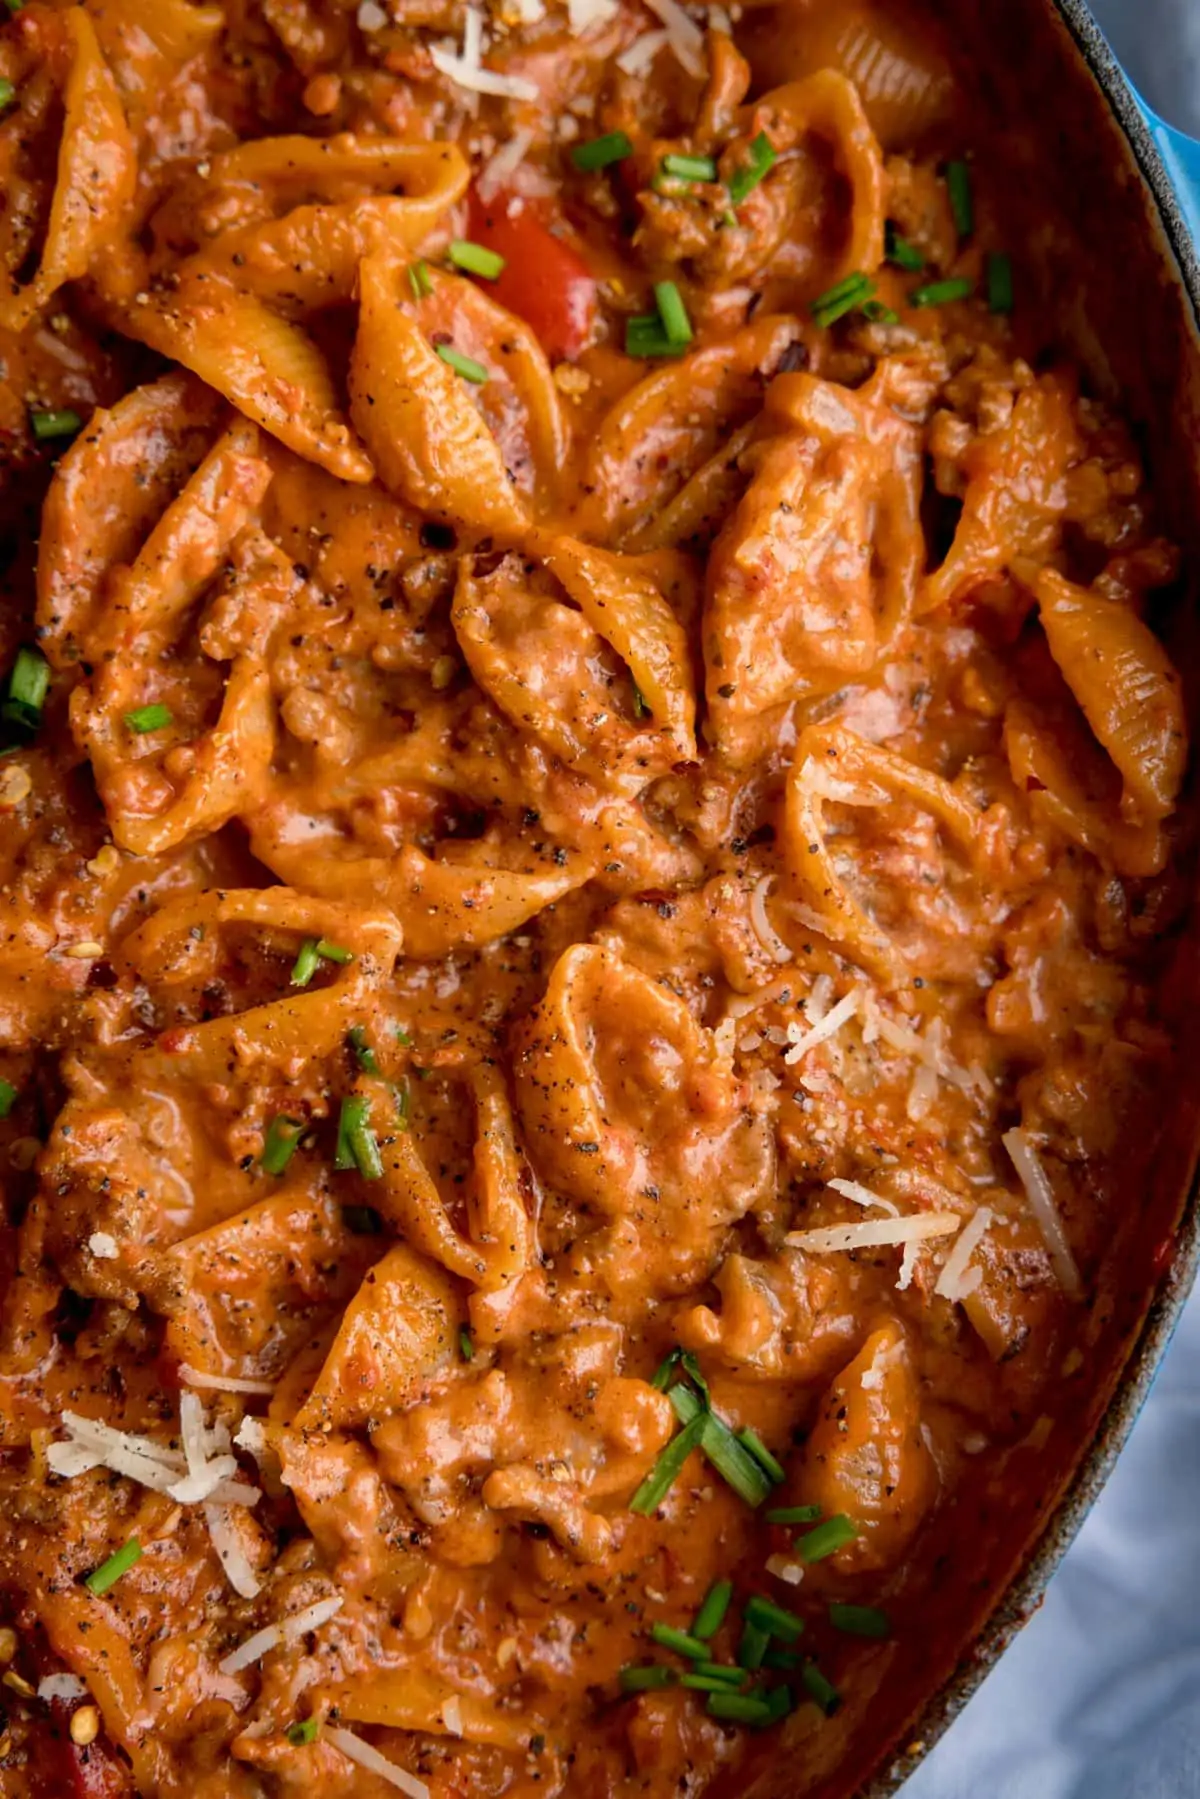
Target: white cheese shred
x=232 y=1557
x=764 y=930
x=1036 y=1183
x=875 y=1233
x=223 y=1383
x=103 y=1246
x=356 y=1750
x=189 y=1478
x=499 y=170
x=953 y=1282
x=636 y=60
x=252 y=1650
x=683 y=34
x=802 y=1041
x=67 y=1687
x=311 y=1618
x=863 y=1196
x=589 y=15
x=466 y=69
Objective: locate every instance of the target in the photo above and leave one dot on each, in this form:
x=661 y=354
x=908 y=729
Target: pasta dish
x=588 y=779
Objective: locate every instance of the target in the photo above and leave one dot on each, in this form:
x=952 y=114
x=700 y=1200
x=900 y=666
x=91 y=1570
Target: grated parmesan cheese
x=683 y=34
x=223 y=1383
x=908 y=1267
x=875 y=1233
x=466 y=69
x=229 y=1551
x=103 y=1247
x=499 y=169
x=290 y=1631
x=802 y=1041
x=590 y=15
x=953 y=1282
x=636 y=60
x=452 y=1715
x=67 y=1687
x=251 y=1435
x=93 y=1444
x=764 y=930
x=863 y=1196
x=311 y=1618
x=1036 y=1183
x=356 y=1750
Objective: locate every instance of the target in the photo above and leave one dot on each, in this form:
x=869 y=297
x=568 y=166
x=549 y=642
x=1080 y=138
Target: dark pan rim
x=1158 y=1326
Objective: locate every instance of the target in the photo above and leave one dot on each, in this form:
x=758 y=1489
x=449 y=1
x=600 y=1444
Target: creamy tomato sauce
x=590 y=845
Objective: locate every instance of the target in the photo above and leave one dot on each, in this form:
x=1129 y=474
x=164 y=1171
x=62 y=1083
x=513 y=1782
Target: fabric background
x=1099 y=1698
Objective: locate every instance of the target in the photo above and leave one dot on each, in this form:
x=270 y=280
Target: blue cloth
x=1099 y=1697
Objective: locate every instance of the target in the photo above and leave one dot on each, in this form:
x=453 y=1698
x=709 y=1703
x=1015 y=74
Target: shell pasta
x=593 y=793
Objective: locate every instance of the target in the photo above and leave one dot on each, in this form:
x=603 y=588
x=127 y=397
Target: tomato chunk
x=545 y=280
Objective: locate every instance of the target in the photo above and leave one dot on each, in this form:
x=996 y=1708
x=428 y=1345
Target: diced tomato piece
x=545 y=280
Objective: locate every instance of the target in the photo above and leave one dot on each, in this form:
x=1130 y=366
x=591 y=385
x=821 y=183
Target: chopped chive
x=879 y=314
x=466 y=1348
x=475 y=259
x=711 y=1615
x=962 y=200
x=364 y=1055
x=600 y=152
x=8 y=92
x=363 y=1221
x=733 y=1677
x=360 y=1139
x=466 y=366
x=661 y=1378
x=306 y=963
x=704 y=1683
x=736 y=1466
x=352 y=1116
x=905 y=255
x=640 y=708
x=774 y=1619
x=279 y=1145
x=333 y=952
x=820 y=1689
x=860 y=1620
x=942 y=293
x=303 y=1731
x=753 y=1646
x=827 y=1538
x=402 y=1037
x=762 y=160
x=109 y=1573
x=673 y=313
x=645 y=336
x=667 y=1469
x=691 y=1368
x=645 y=1677
x=837 y=301
x=668 y=1637
x=783 y=1660
x=420 y=280
x=56 y=421
x=690 y=168
x=779 y=1702
x=402 y=1107
x=738 y=1708
x=29 y=681
x=1000 y=290
x=794 y=1514
x=8 y=1097
x=750 y=1439
x=149 y=718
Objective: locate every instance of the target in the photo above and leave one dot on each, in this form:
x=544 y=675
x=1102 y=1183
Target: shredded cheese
x=908 y=1267
x=802 y=1041
x=875 y=1233
x=636 y=60
x=251 y=1435
x=103 y=1246
x=764 y=930
x=229 y=1551
x=863 y=1196
x=289 y=1631
x=311 y=1618
x=683 y=34
x=356 y=1750
x=188 y=1478
x=466 y=69
x=452 y=1715
x=499 y=170
x=67 y=1687
x=953 y=1282
x=1036 y=1183
x=589 y=15
x=223 y=1383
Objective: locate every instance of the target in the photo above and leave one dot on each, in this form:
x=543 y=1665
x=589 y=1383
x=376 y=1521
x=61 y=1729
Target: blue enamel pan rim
x=1170 y=166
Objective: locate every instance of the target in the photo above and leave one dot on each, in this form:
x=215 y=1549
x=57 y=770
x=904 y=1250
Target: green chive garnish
x=402 y=1037
x=304 y=1731
x=599 y=152
x=313 y=951
x=784 y=1660
x=55 y=422
x=738 y=1708
x=827 y=1538
x=691 y=1368
x=734 y=1464
x=764 y=1614
x=475 y=259
x=364 y=1055
x=673 y=313
x=279 y=1145
x=690 y=168
x=28 y=685
x=846 y=296
x=668 y=1637
x=645 y=1678
x=779 y=1703
x=640 y=708
x=466 y=1348
x=732 y=1677
x=356 y=1144
x=1000 y=290
x=762 y=160
x=704 y=1683
x=8 y=1097
x=860 y=1620
x=420 y=280
x=753 y=1645
x=8 y=92
x=820 y=1689
x=109 y=1573
x=334 y=952
x=149 y=718
x=667 y=1469
x=902 y=253
x=879 y=314
x=661 y=1378
x=466 y=366
x=645 y=336
x=750 y=1439
x=794 y=1514
x=962 y=201
x=942 y=293
x=711 y=1615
